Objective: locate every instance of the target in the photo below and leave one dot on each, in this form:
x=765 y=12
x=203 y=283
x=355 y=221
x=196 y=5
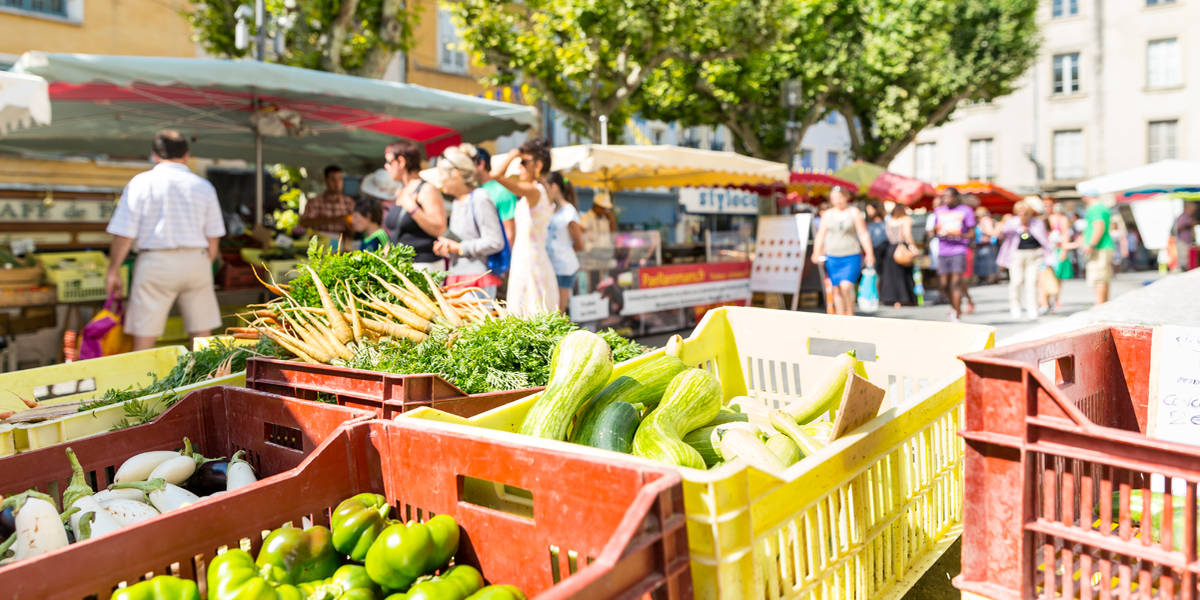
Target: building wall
x=135 y=27
x=1112 y=109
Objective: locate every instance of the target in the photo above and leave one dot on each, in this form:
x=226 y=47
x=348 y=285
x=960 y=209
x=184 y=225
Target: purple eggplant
x=211 y=476
x=8 y=523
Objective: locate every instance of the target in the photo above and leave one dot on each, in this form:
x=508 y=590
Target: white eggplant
x=238 y=474
x=139 y=466
x=78 y=496
x=39 y=527
x=105 y=496
x=175 y=470
x=163 y=496
x=129 y=512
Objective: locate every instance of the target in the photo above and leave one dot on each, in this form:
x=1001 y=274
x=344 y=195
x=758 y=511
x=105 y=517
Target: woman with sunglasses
x=474 y=233
x=419 y=216
x=532 y=286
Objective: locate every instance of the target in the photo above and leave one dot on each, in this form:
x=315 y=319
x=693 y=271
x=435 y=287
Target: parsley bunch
x=355 y=267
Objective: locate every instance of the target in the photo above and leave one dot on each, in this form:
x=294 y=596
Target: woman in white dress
x=532 y=286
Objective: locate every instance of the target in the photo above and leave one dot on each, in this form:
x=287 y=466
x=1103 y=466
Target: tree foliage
x=591 y=58
x=358 y=37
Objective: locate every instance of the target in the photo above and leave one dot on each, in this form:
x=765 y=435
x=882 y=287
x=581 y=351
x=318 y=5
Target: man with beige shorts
x=1098 y=246
x=174 y=218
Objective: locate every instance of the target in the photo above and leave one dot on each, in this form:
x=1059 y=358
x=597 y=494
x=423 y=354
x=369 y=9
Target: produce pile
x=145 y=486
x=666 y=411
x=374 y=311
x=8 y=260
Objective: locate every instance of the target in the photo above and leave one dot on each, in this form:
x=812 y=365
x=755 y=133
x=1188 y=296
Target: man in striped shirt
x=173 y=217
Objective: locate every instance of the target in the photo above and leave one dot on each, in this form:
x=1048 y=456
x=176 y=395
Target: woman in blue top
x=366 y=219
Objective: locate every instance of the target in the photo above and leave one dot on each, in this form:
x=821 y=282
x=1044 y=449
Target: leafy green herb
x=141 y=411
x=357 y=268
x=499 y=354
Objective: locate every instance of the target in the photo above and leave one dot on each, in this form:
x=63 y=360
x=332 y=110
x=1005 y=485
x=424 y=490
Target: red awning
x=991 y=196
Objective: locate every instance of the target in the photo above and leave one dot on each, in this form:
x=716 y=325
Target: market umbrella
x=877 y=182
x=803 y=187
x=24 y=100
x=1164 y=176
x=617 y=168
x=991 y=196
x=114 y=104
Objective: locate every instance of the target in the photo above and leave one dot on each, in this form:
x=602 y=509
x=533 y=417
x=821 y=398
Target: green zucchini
x=614 y=428
x=729 y=416
x=692 y=399
x=643 y=384
x=782 y=446
x=579 y=367
x=701 y=440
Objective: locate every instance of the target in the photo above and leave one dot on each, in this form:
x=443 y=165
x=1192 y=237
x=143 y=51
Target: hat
x=602 y=199
x=1035 y=204
x=454 y=157
x=380 y=184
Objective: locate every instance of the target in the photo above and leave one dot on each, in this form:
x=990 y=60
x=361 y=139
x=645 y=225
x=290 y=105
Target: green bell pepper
x=455 y=584
x=163 y=587
x=356 y=522
x=400 y=555
x=444 y=530
x=234 y=576
x=498 y=592
x=291 y=555
x=349 y=582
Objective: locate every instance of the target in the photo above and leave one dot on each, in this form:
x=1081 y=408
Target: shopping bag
x=868 y=291
x=103 y=335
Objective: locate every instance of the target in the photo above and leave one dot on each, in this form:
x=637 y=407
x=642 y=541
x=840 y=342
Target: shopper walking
x=954 y=225
x=173 y=218
x=566 y=238
x=896 y=279
x=532 y=287
x=875 y=214
x=985 y=246
x=1022 y=251
x=474 y=232
x=842 y=242
x=1097 y=245
x=419 y=216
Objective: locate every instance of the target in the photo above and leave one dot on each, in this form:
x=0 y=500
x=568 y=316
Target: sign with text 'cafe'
x=718 y=201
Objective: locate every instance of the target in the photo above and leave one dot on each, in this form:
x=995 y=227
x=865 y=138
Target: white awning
x=24 y=100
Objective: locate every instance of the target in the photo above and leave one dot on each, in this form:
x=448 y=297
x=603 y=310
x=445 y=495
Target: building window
x=1161 y=141
x=831 y=118
x=1159 y=2
x=1066 y=73
x=831 y=160
x=981 y=160
x=925 y=166
x=1162 y=64
x=56 y=8
x=806 y=157
x=1068 y=154
x=451 y=56
x=1064 y=8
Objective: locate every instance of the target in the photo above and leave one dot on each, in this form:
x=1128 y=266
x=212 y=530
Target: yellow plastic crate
x=93 y=422
x=862 y=519
x=79 y=276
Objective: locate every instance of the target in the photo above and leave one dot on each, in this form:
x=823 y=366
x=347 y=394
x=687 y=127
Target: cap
x=602 y=199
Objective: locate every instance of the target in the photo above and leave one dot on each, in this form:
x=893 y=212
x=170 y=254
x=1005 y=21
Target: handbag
x=103 y=335
x=868 y=291
x=497 y=263
x=903 y=255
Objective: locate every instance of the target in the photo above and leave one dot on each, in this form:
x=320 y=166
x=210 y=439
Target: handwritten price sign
x=1178 y=416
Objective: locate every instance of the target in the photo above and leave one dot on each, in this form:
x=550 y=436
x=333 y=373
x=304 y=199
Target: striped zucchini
x=643 y=384
x=692 y=399
x=579 y=367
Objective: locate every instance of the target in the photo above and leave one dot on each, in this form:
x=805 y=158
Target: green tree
x=921 y=59
x=591 y=58
x=814 y=41
x=358 y=37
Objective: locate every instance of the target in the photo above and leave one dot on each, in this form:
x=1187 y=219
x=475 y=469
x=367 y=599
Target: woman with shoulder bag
x=896 y=273
x=475 y=231
x=419 y=216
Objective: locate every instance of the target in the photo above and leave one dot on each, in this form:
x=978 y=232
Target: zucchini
x=782 y=446
x=702 y=440
x=643 y=384
x=739 y=443
x=692 y=399
x=614 y=428
x=783 y=423
x=729 y=416
x=581 y=364
x=826 y=396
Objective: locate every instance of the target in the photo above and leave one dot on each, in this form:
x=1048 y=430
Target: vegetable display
x=144 y=486
x=664 y=410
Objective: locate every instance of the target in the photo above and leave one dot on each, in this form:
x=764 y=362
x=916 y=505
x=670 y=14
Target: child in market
x=366 y=220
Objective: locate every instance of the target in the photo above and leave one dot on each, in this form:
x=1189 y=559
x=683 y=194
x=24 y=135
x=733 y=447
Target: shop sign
x=685 y=286
x=72 y=211
x=588 y=307
x=718 y=201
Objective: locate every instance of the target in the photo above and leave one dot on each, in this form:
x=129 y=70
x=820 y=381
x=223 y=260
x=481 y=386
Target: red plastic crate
x=385 y=393
x=276 y=433
x=594 y=528
x=1055 y=452
x=235 y=276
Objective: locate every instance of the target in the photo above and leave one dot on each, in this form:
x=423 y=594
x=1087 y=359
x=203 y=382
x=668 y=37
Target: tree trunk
x=947 y=106
x=331 y=59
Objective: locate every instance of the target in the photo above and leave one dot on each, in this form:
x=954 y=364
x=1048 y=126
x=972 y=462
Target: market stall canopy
x=618 y=168
x=877 y=182
x=991 y=196
x=113 y=105
x=24 y=100
x=1165 y=176
x=806 y=187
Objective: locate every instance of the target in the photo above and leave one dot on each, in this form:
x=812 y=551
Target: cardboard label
x=860 y=403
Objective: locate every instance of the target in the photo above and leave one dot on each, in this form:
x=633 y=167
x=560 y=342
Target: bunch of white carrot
x=349 y=317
